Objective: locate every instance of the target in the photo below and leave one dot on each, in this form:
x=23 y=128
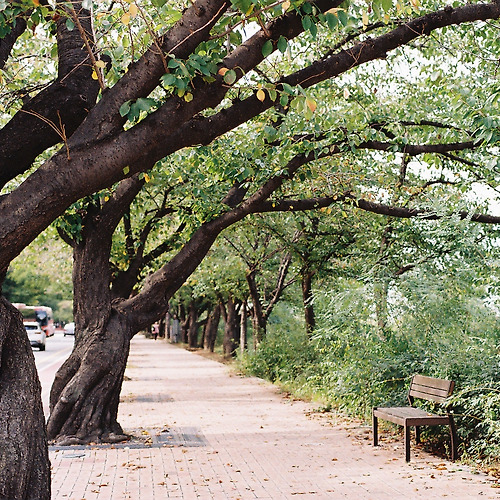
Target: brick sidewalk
x=211 y=434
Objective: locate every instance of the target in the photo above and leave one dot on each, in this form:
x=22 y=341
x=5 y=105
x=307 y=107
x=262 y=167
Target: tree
x=201 y=67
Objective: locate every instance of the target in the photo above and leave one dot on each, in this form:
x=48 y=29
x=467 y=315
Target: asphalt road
x=58 y=348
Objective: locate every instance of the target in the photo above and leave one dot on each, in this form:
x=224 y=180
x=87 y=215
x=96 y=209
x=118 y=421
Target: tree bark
x=211 y=328
x=230 y=328
x=193 y=325
x=24 y=460
x=259 y=322
x=309 y=317
x=243 y=327
x=64 y=103
x=86 y=391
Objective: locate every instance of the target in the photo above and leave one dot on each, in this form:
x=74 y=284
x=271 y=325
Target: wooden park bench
x=431 y=389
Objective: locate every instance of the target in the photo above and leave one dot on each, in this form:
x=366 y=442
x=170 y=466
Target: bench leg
x=417 y=434
x=453 y=439
x=407 y=442
x=375 y=431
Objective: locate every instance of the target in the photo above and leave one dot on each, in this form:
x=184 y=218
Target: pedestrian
x=156 y=330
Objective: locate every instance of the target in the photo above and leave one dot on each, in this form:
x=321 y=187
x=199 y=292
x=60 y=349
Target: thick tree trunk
x=24 y=460
x=307 y=301
x=85 y=394
x=86 y=391
x=211 y=327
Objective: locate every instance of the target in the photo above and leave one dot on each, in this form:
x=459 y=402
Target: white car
x=69 y=329
x=36 y=335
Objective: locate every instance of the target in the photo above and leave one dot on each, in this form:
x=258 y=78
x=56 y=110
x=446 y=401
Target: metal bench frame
x=421 y=387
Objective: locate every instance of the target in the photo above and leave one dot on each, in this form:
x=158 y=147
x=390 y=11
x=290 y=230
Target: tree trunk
x=185 y=330
x=307 y=301
x=211 y=328
x=258 y=316
x=230 y=328
x=168 y=325
x=24 y=460
x=243 y=327
x=86 y=391
x=193 y=325
x=85 y=394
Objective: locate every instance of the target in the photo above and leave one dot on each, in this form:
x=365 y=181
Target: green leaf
x=306 y=22
x=332 y=20
x=145 y=103
x=282 y=44
x=307 y=8
x=70 y=24
x=230 y=76
x=125 y=108
x=343 y=18
x=126 y=170
x=387 y=5
x=169 y=79
x=267 y=48
x=313 y=30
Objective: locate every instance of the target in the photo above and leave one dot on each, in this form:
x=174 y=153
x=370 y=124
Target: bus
x=41 y=314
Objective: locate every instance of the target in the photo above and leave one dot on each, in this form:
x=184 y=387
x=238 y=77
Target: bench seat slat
x=409 y=416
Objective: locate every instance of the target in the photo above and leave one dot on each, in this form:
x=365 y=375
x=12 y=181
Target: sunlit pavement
x=209 y=434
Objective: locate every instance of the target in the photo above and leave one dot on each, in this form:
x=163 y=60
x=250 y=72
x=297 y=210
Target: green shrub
x=352 y=365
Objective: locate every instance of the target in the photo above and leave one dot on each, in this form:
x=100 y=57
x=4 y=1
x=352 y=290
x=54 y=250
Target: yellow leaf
x=188 y=97
x=286 y=5
x=365 y=19
x=133 y=10
x=36 y=3
x=147 y=178
x=100 y=64
x=126 y=19
x=223 y=71
x=94 y=75
x=261 y=95
x=311 y=104
x=333 y=10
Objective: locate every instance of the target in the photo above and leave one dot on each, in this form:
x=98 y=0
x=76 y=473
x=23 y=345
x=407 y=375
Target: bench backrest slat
x=431 y=389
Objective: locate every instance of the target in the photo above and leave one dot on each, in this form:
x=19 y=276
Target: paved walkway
x=211 y=434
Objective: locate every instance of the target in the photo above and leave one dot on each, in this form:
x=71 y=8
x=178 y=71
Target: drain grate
x=186 y=436
x=171 y=437
x=147 y=398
